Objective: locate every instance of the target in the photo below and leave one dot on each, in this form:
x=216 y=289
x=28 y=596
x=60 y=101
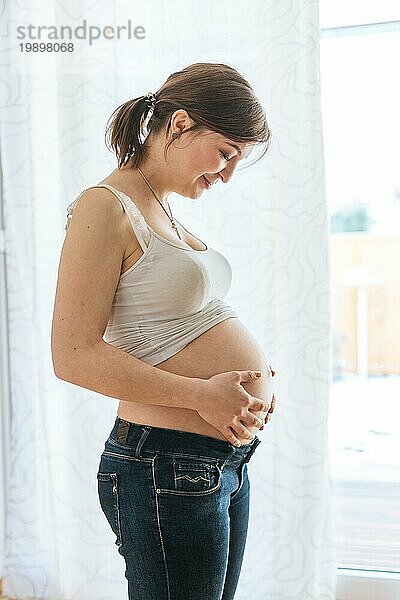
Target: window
x=360 y=51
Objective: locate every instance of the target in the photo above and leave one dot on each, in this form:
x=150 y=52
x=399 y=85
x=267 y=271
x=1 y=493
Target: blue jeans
x=178 y=504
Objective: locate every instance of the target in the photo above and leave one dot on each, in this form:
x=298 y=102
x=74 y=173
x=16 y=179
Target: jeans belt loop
x=146 y=431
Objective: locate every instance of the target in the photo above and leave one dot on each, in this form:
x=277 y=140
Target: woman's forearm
x=110 y=371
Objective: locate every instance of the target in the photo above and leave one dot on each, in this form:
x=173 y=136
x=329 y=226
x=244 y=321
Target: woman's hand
x=223 y=402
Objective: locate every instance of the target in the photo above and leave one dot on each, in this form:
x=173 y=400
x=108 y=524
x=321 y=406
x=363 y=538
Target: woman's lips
x=207 y=184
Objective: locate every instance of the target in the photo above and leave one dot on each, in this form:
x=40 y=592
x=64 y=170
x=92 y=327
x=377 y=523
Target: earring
x=175 y=135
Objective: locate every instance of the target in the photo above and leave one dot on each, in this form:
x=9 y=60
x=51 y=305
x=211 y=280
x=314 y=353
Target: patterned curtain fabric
x=271 y=221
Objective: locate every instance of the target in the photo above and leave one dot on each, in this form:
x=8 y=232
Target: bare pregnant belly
x=228 y=346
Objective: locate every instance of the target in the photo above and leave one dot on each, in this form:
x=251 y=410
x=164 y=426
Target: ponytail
x=125 y=131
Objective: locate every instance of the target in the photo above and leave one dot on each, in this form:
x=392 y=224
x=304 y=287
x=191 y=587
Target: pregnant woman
x=140 y=316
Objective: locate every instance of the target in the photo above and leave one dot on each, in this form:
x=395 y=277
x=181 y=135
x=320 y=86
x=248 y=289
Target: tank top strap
x=136 y=219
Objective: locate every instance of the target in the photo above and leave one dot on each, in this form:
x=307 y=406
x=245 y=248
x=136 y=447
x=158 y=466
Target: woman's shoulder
x=96 y=199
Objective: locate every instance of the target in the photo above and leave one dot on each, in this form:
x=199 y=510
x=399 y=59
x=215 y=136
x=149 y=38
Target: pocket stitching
x=184 y=455
x=108 y=453
x=116 y=508
x=203 y=471
x=241 y=482
x=118 y=444
x=113 y=479
x=194 y=493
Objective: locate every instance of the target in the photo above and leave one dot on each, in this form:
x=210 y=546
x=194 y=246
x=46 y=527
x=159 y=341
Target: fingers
x=236 y=431
x=272 y=407
x=270 y=411
x=230 y=436
x=256 y=404
x=248 y=375
x=242 y=431
x=259 y=405
x=253 y=421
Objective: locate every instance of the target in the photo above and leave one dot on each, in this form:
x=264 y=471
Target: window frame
x=360 y=584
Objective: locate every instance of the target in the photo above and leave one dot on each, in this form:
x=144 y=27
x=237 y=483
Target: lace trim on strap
x=70 y=210
x=137 y=220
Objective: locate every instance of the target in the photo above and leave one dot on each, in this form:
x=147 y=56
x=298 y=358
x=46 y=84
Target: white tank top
x=169 y=296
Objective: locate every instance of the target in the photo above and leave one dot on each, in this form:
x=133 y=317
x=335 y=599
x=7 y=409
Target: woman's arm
x=89 y=271
x=110 y=371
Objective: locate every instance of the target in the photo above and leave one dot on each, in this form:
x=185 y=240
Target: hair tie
x=150 y=99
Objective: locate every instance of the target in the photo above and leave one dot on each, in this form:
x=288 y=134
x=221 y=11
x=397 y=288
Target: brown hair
x=214 y=95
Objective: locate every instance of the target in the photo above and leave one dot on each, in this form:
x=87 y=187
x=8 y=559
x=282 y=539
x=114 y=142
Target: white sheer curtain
x=271 y=221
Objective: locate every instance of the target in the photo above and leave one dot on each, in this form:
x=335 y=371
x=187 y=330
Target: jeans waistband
x=142 y=438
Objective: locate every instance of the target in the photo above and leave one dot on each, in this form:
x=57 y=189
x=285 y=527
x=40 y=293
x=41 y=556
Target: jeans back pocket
x=107 y=487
